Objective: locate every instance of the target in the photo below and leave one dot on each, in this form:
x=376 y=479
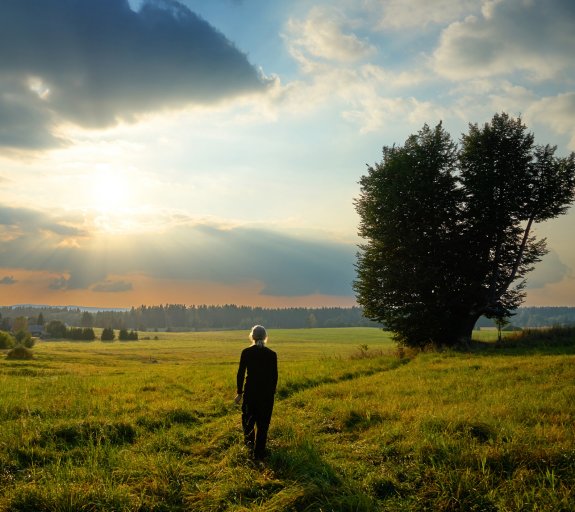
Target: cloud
x=28 y=221
x=113 y=287
x=399 y=14
x=94 y=62
x=534 y=37
x=558 y=112
x=7 y=280
x=548 y=271
x=285 y=265
x=60 y=283
x=340 y=50
x=24 y=122
x=326 y=34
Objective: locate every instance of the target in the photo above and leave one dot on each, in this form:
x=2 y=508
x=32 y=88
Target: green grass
x=150 y=426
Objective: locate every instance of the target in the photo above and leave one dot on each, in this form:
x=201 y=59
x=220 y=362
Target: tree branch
x=518 y=259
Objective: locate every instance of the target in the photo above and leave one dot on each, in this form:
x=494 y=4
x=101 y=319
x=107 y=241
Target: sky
x=209 y=151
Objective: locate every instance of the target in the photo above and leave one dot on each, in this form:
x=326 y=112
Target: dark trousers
x=256 y=417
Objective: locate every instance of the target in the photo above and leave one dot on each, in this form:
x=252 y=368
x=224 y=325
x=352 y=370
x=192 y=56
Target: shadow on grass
x=292 y=387
x=543 y=341
x=320 y=487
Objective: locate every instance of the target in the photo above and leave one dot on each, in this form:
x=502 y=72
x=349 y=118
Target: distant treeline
x=179 y=317
x=537 y=317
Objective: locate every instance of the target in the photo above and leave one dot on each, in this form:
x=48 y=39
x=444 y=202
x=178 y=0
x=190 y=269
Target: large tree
x=448 y=227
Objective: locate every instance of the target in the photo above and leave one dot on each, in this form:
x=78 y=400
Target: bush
x=6 y=340
x=126 y=335
x=81 y=333
x=88 y=334
x=20 y=352
x=108 y=334
x=24 y=338
x=56 y=329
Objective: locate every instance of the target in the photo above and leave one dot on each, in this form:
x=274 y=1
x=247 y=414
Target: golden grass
x=150 y=425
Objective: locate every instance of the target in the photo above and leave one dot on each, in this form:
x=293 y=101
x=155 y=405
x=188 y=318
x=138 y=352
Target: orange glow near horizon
x=32 y=287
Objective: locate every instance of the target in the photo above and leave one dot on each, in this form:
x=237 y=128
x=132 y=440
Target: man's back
x=262 y=372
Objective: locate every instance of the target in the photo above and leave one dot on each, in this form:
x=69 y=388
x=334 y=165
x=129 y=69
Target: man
x=258 y=393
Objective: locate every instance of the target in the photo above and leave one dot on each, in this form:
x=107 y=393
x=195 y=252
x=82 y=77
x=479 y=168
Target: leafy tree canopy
x=448 y=227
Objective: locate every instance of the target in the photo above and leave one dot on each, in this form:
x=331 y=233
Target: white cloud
x=375 y=112
x=549 y=270
x=326 y=34
x=534 y=37
x=399 y=14
x=558 y=112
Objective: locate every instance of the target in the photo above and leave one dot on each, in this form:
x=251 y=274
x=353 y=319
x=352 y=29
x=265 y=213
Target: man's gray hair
x=259 y=335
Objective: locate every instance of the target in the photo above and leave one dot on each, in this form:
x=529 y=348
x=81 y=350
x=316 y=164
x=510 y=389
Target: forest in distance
x=179 y=317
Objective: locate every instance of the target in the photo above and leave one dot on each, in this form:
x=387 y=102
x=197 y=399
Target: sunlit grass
x=150 y=425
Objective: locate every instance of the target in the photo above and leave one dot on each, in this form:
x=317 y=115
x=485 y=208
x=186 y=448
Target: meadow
x=357 y=426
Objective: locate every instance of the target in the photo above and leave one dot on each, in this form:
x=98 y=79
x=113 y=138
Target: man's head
x=258 y=334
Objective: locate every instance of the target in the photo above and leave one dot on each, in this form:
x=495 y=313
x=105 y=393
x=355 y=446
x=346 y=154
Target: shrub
x=126 y=335
x=6 y=340
x=56 y=329
x=24 y=338
x=75 y=333
x=108 y=334
x=88 y=334
x=20 y=352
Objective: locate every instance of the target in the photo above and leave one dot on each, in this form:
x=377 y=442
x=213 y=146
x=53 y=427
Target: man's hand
x=238 y=399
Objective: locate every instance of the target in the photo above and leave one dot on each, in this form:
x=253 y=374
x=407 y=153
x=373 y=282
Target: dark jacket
x=261 y=364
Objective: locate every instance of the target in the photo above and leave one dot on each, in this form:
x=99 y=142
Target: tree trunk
x=463 y=330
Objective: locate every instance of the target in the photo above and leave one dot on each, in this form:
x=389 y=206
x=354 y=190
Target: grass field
x=151 y=426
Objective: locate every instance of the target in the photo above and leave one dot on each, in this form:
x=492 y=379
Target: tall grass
x=150 y=425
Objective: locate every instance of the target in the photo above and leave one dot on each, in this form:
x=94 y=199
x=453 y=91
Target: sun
x=114 y=200
x=111 y=191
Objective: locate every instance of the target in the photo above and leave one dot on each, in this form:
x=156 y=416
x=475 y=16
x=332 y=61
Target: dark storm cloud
x=8 y=280
x=285 y=265
x=93 y=62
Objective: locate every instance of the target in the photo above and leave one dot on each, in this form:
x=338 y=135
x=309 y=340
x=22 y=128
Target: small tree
x=501 y=322
x=56 y=329
x=24 y=338
x=88 y=334
x=125 y=335
x=107 y=334
x=20 y=324
x=74 y=333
